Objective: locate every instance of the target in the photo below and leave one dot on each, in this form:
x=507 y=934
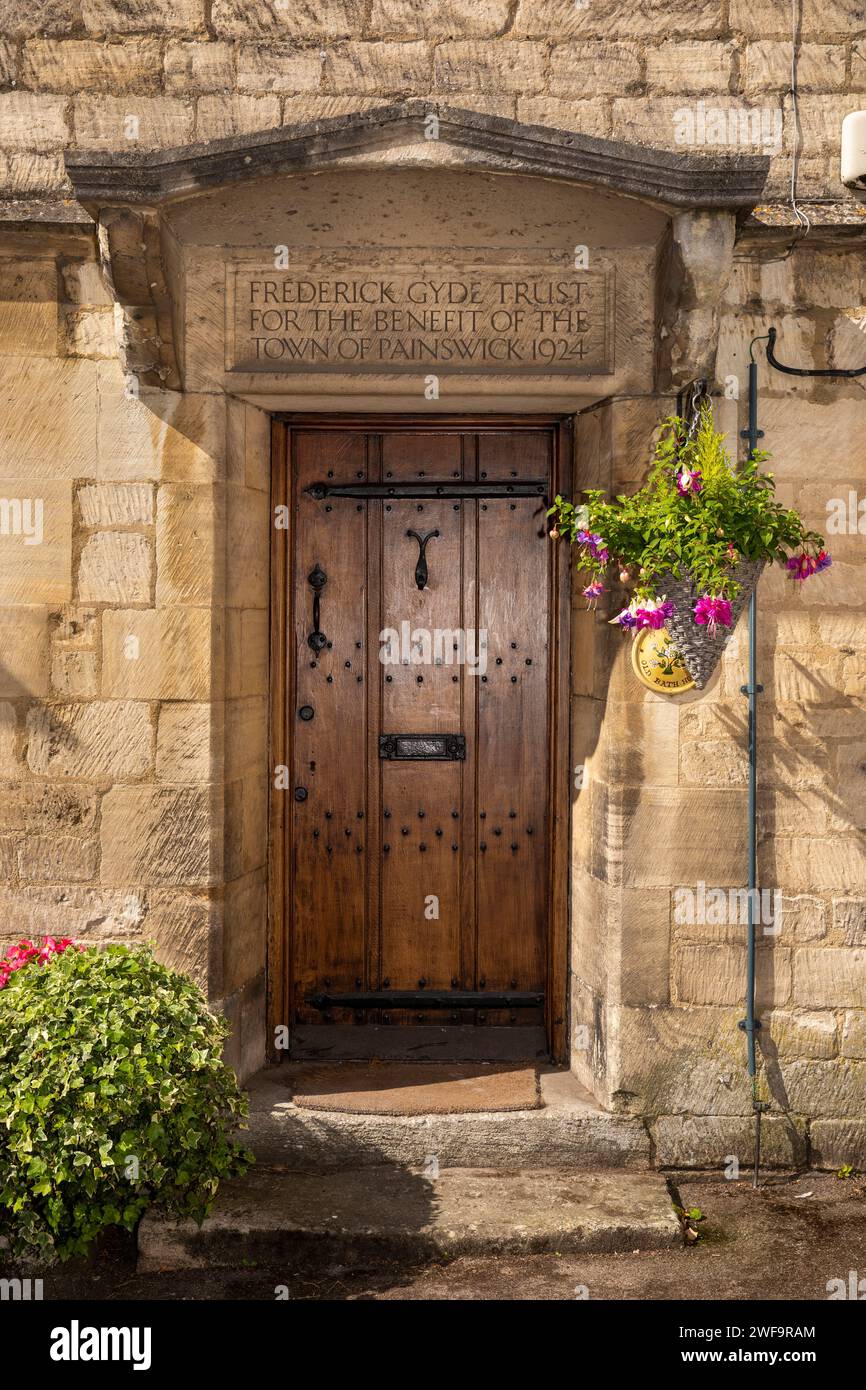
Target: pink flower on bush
x=689 y=480
x=25 y=951
x=712 y=611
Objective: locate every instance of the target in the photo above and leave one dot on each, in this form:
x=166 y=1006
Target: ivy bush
x=113 y=1096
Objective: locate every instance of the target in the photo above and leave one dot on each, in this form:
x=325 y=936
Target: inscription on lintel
x=506 y=312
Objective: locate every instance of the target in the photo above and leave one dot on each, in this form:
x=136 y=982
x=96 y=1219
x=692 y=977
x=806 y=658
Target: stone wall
x=663 y=801
x=102 y=74
x=134 y=641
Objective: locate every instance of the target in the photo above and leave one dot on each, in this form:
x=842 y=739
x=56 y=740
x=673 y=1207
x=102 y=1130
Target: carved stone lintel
x=131 y=254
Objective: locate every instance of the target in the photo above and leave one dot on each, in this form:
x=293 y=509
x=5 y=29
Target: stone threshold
x=570 y=1131
x=363 y=1215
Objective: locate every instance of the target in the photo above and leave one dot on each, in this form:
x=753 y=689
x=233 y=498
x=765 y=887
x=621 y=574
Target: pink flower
x=593 y=592
x=688 y=481
x=713 y=611
x=26 y=951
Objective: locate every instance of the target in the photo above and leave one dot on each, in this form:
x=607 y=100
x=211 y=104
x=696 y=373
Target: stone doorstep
x=570 y=1131
x=359 y=1215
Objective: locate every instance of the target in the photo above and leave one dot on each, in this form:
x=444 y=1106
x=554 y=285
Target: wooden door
x=419 y=689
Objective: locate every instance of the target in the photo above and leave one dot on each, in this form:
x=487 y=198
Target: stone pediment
x=138 y=197
x=404 y=132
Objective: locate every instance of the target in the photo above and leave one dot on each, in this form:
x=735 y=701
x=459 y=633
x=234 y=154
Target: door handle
x=421 y=566
x=317 y=579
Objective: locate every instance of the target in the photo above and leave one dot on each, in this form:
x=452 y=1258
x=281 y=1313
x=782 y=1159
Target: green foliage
x=703 y=535
x=113 y=1095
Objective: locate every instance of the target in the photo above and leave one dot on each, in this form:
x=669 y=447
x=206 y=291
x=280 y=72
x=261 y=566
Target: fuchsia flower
x=803 y=566
x=593 y=592
x=713 y=611
x=595 y=545
x=643 y=613
x=26 y=951
x=689 y=480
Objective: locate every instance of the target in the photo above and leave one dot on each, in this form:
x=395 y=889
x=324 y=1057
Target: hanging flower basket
x=700 y=645
x=692 y=543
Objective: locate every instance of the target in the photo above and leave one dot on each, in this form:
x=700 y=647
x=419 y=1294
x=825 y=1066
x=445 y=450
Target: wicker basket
x=700 y=651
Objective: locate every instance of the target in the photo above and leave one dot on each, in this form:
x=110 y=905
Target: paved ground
x=773 y=1244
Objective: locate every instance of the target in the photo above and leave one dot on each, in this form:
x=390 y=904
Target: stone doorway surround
x=167 y=223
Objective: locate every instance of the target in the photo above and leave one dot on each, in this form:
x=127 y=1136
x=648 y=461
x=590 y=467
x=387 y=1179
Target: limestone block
x=246 y=811
x=257 y=448
x=849 y=920
x=858 y=66
x=690 y=67
x=800 y=1035
x=247 y=652
x=74 y=627
x=186 y=743
x=826 y=1089
x=562 y=18
x=834 y=1143
x=90 y=333
x=201 y=67
x=28 y=308
x=403 y=19
x=244 y=931
x=803 y=919
x=217 y=117
x=8 y=861
x=717 y=975
x=766 y=67
x=58 y=859
x=854 y=1034
x=799 y=430
x=265 y=68
x=157 y=654
x=8 y=63
x=820 y=118
x=466 y=65
x=33 y=122
x=39 y=443
x=161 y=435
x=767 y=17
x=304 y=19
x=117 y=17
x=115 y=567
x=189 y=566
x=88 y=914
x=830 y=978
x=666 y=834
x=116 y=504
x=9 y=755
x=842 y=630
x=641 y=743
x=246 y=737
x=711 y=1141
x=133 y=122
x=817 y=865
x=99 y=739
x=159 y=835
x=674 y=123
x=24 y=645
x=74 y=674
x=25 y=174
x=594 y=69
x=41 y=808
x=248 y=548
x=35 y=541
x=79 y=65
x=590 y=117
x=644 y=951
x=381 y=68
x=667 y=1061
x=184 y=927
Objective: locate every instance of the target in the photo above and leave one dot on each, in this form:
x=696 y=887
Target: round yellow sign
x=658 y=664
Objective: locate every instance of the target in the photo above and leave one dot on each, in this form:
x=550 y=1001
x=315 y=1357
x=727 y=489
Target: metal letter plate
x=423 y=747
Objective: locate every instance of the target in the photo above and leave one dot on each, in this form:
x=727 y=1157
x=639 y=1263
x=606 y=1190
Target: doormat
x=413 y=1088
